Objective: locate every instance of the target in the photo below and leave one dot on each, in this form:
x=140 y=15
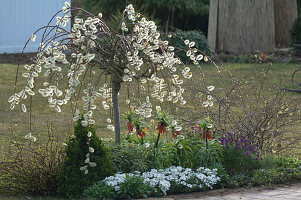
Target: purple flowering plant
x=239 y=142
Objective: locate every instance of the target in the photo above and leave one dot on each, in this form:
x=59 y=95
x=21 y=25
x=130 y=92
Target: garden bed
x=132 y=150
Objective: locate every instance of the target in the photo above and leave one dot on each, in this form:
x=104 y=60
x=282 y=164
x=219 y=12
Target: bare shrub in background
x=268 y=117
x=31 y=166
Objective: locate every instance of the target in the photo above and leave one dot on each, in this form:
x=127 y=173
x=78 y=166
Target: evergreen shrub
x=296 y=31
x=73 y=181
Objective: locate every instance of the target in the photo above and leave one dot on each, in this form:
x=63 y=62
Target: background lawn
x=15 y=121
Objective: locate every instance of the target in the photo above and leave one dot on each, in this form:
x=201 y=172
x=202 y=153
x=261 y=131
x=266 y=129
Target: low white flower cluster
x=163 y=179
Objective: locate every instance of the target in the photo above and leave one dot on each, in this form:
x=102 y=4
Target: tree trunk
x=299 y=7
x=285 y=12
x=212 y=25
x=242 y=26
x=116 y=84
x=167 y=24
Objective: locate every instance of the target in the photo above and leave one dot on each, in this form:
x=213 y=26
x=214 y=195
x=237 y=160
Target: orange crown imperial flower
x=206 y=134
x=175 y=133
x=161 y=129
x=141 y=133
x=130 y=126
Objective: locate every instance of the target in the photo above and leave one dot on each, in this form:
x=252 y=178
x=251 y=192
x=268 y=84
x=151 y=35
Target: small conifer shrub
x=83 y=148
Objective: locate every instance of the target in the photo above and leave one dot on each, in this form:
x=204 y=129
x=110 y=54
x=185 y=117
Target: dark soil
x=16 y=58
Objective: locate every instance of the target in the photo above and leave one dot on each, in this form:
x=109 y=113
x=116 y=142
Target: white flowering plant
x=163 y=181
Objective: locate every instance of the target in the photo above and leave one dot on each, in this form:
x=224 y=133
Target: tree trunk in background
x=299 y=6
x=242 y=26
x=212 y=25
x=285 y=12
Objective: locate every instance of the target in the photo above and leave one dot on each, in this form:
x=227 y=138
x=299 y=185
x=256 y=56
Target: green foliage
x=182 y=14
x=101 y=190
x=272 y=171
x=117 y=16
x=268 y=162
x=149 y=155
x=193 y=6
x=248 y=58
x=193 y=153
x=129 y=116
x=160 y=157
x=276 y=176
x=296 y=31
x=209 y=157
x=72 y=181
x=179 y=152
x=138 y=123
x=236 y=162
x=239 y=180
x=107 y=7
x=163 y=118
x=201 y=43
x=130 y=157
x=288 y=162
x=31 y=167
x=262 y=177
x=132 y=188
x=206 y=124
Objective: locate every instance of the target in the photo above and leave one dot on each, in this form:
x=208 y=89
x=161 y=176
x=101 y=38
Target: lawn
x=15 y=121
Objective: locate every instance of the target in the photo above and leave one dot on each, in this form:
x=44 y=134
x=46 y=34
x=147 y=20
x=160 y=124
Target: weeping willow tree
x=93 y=60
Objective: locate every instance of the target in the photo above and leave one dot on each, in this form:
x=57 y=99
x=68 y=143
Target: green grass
x=17 y=121
x=277 y=72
